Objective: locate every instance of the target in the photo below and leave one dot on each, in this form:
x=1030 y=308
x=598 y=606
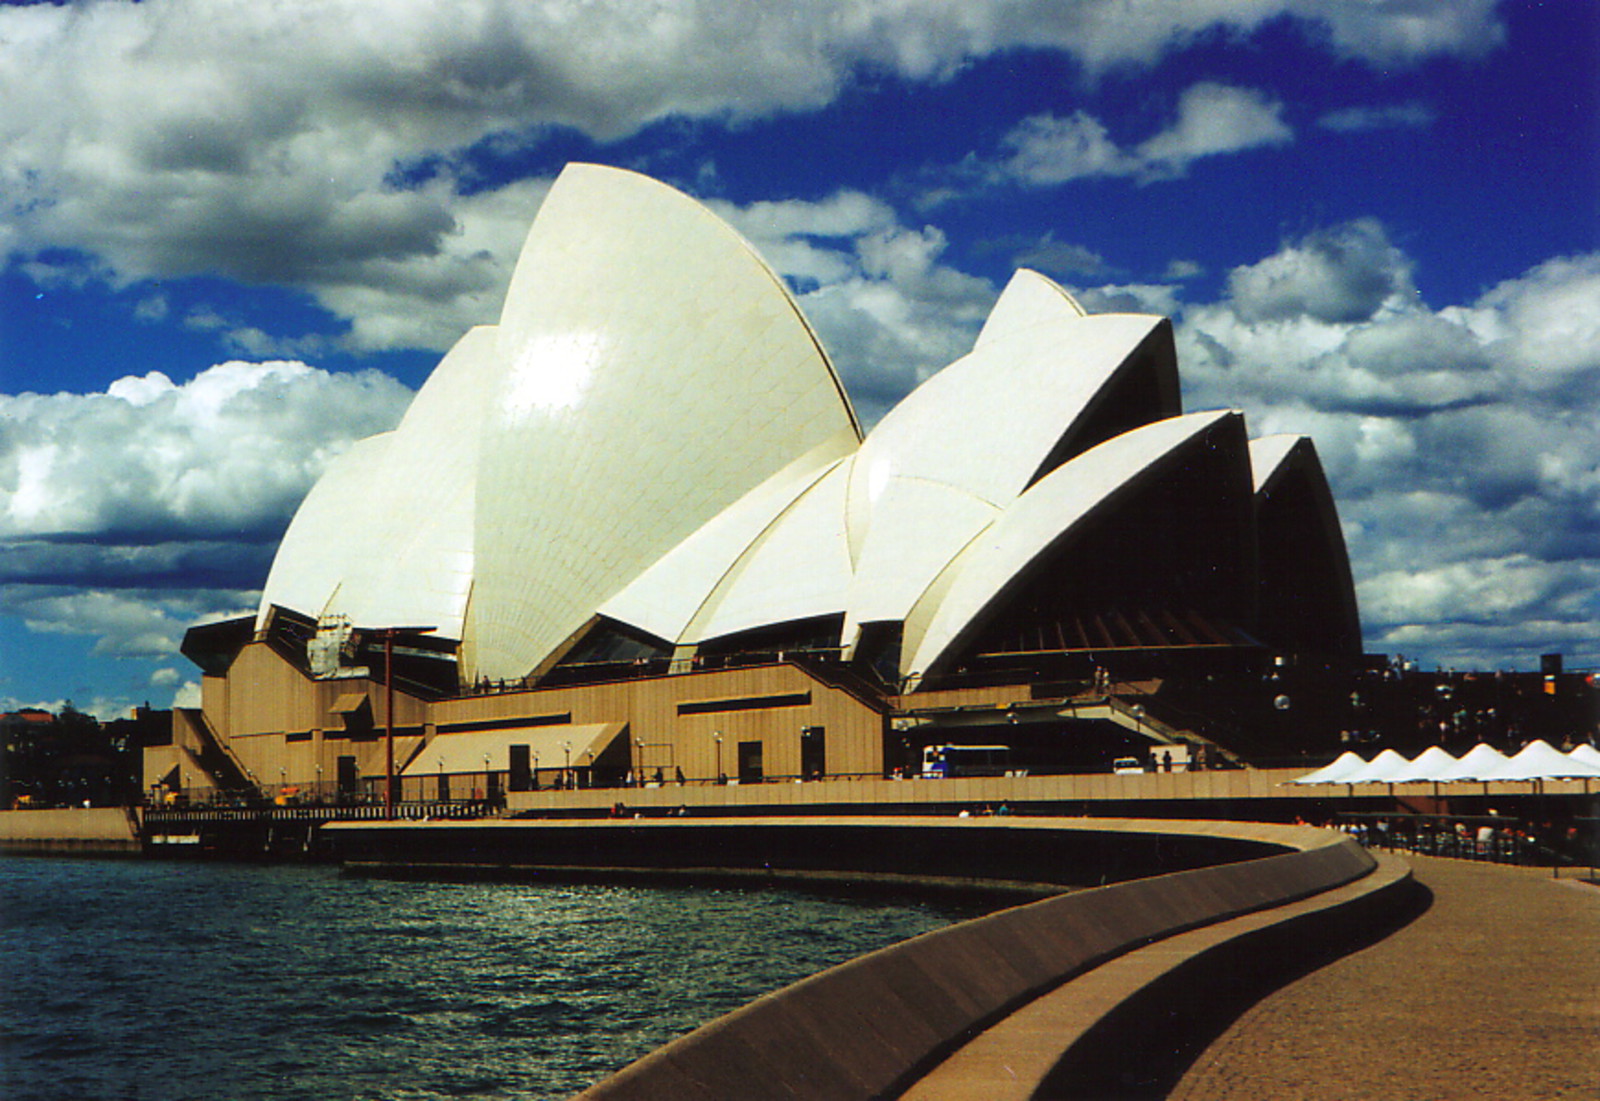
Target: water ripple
x=152 y=981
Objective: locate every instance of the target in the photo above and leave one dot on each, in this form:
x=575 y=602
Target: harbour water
x=141 y=980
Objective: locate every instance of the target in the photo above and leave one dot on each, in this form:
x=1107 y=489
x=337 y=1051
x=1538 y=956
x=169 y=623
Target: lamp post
x=717 y=737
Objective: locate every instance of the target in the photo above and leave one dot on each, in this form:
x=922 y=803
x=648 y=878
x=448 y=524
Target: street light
x=717 y=737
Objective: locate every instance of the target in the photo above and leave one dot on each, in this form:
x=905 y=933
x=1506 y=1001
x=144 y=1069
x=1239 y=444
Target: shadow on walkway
x=1141 y=1050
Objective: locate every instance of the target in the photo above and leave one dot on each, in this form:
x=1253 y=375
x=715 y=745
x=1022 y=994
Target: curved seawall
x=874 y=1026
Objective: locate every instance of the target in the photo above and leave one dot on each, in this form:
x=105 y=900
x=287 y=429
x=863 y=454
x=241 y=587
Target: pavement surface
x=1493 y=992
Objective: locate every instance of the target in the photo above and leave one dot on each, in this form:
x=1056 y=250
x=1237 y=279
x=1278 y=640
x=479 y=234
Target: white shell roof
x=967 y=442
x=1424 y=766
x=797 y=569
x=653 y=434
x=1480 y=759
x=1346 y=763
x=386 y=536
x=656 y=372
x=1376 y=769
x=328 y=532
x=665 y=598
x=1028 y=299
x=1267 y=456
x=1030 y=528
x=1539 y=760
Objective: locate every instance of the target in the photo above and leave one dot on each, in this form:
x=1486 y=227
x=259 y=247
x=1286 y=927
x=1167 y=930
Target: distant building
x=643 y=531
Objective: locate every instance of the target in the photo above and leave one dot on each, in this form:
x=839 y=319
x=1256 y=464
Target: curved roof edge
x=578 y=169
x=630 y=300
x=674 y=591
x=1003 y=553
x=987 y=422
x=1316 y=611
x=797 y=568
x=1028 y=299
x=326 y=533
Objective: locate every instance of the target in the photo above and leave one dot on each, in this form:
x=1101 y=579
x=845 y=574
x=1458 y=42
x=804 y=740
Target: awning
x=551 y=746
x=348 y=702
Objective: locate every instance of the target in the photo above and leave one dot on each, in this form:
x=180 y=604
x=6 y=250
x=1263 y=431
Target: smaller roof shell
x=1001 y=554
x=1586 y=753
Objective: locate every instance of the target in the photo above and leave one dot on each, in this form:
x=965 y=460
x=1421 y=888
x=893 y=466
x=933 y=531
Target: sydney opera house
x=635 y=530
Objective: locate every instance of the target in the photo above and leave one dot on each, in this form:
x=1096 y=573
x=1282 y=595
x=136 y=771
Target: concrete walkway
x=1492 y=993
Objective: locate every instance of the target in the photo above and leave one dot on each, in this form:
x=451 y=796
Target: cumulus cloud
x=225 y=456
x=1047 y=150
x=1337 y=275
x=333 y=147
x=1460 y=441
x=886 y=306
x=129 y=514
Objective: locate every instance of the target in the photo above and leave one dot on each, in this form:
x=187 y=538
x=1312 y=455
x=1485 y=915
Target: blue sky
x=236 y=236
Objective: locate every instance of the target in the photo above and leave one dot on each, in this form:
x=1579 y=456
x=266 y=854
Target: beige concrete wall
x=974 y=792
x=858 y=1030
x=854 y=731
x=264 y=700
x=87 y=829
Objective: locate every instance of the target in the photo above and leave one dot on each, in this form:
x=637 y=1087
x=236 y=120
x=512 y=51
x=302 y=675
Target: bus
x=939 y=761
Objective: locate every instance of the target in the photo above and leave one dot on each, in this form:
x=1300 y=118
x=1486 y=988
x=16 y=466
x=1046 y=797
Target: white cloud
x=1342 y=274
x=126 y=623
x=1213 y=119
x=227 y=455
x=1460 y=442
x=324 y=146
x=187 y=696
x=1046 y=149
x=887 y=308
x=1210 y=119
x=129 y=514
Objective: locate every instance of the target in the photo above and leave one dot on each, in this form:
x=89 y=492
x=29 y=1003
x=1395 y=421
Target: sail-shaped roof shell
x=1044 y=516
x=656 y=371
x=1307 y=596
x=386 y=536
x=965 y=444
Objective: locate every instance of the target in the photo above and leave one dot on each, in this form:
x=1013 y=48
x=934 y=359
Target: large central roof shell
x=655 y=371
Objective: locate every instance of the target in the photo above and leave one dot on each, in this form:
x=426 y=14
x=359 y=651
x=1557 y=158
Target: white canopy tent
x=1474 y=764
x=1346 y=763
x=1376 y=770
x=1539 y=760
x=1586 y=753
x=1423 y=768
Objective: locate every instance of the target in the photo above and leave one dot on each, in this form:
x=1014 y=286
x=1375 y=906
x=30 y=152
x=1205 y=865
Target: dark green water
x=154 y=980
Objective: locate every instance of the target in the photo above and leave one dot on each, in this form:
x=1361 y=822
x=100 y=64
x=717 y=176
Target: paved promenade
x=1494 y=992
